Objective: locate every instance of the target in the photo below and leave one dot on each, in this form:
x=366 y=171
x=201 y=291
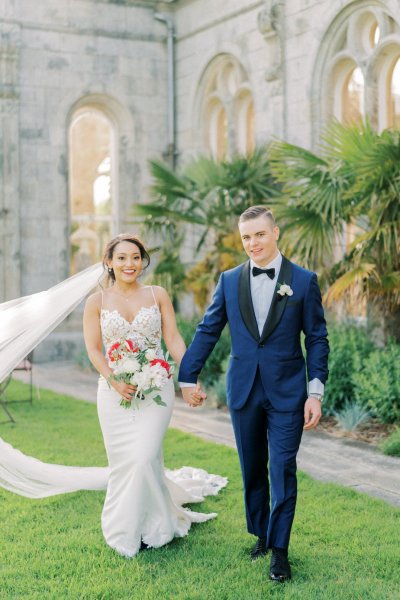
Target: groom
x=267 y=301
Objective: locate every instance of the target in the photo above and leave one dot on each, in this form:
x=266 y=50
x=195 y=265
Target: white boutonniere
x=284 y=290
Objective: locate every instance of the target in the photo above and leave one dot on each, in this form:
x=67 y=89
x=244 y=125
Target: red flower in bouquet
x=162 y=363
x=119 y=350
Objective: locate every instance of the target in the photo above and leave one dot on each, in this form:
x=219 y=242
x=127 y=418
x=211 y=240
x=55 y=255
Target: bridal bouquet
x=140 y=368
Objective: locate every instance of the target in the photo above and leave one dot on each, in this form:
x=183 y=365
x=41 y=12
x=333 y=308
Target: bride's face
x=126 y=262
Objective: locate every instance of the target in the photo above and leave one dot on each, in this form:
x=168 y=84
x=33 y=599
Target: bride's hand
x=126 y=390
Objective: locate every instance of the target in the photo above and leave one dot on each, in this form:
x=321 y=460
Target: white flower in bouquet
x=143 y=378
x=150 y=354
x=130 y=365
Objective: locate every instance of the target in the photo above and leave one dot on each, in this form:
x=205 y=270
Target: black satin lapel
x=278 y=304
x=245 y=302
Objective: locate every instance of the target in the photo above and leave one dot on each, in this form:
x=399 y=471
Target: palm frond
x=351 y=281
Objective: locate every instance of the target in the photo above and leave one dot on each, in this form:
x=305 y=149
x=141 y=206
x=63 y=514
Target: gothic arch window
x=356 y=73
x=216 y=129
x=386 y=75
x=91 y=185
x=348 y=84
x=226 y=109
x=244 y=125
x=393 y=83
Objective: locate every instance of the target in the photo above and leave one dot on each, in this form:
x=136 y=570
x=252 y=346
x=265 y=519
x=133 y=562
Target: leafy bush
x=351 y=415
x=377 y=383
x=349 y=345
x=391 y=445
x=217 y=393
x=82 y=360
x=214 y=366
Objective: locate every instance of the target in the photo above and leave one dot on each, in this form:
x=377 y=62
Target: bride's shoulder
x=94 y=301
x=160 y=293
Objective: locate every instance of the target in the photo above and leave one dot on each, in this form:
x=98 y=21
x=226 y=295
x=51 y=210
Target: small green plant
x=391 y=445
x=377 y=383
x=82 y=360
x=351 y=416
x=349 y=345
x=215 y=363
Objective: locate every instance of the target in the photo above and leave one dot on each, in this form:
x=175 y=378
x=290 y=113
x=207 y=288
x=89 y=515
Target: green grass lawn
x=344 y=544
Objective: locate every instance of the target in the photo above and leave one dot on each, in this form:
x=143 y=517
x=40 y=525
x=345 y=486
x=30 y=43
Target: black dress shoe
x=143 y=546
x=259 y=549
x=280 y=568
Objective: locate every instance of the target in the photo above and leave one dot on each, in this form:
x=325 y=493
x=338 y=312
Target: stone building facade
x=92 y=78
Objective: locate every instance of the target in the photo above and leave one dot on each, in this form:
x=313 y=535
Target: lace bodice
x=144 y=330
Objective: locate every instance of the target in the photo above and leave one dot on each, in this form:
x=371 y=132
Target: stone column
x=270 y=24
x=10 y=268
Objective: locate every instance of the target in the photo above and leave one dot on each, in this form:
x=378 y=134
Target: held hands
x=312 y=412
x=194 y=396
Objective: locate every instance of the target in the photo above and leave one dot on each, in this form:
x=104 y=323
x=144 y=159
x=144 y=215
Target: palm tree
x=355 y=179
x=208 y=195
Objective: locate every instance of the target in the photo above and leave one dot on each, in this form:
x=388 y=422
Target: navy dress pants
x=268 y=441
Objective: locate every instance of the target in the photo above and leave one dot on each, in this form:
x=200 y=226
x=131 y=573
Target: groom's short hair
x=257 y=211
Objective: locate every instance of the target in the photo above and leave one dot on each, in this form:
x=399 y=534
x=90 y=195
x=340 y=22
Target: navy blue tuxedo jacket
x=277 y=352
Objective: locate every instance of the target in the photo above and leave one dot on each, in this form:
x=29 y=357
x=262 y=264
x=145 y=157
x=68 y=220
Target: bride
x=143 y=504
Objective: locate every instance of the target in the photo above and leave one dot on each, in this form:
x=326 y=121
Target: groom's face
x=259 y=238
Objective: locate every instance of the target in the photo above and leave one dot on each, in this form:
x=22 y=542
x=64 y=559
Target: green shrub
x=82 y=360
x=391 y=445
x=377 y=383
x=349 y=345
x=214 y=366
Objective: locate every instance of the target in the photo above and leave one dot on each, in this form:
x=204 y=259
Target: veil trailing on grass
x=24 y=323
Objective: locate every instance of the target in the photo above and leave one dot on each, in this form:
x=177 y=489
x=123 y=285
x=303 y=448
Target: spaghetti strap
x=155 y=300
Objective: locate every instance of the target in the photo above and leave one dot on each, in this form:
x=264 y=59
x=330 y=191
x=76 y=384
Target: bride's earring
x=110 y=270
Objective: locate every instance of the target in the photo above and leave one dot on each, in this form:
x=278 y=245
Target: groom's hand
x=312 y=412
x=194 y=396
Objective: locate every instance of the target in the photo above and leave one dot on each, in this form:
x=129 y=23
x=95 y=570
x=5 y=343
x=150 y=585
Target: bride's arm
x=92 y=335
x=172 y=338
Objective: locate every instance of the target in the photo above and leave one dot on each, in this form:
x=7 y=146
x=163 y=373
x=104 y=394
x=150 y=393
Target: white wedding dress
x=143 y=501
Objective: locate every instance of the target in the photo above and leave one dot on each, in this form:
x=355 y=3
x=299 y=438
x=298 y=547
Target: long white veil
x=24 y=323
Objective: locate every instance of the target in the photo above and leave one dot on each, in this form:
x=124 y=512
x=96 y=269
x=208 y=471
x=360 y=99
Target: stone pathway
x=346 y=462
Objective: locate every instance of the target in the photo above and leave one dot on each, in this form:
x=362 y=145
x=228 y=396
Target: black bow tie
x=269 y=272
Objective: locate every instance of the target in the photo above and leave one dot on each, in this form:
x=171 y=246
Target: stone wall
x=56 y=57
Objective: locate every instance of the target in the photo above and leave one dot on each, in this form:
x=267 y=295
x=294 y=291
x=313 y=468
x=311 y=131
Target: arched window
x=217 y=129
x=91 y=157
x=226 y=109
x=393 y=82
x=353 y=97
x=356 y=73
x=245 y=134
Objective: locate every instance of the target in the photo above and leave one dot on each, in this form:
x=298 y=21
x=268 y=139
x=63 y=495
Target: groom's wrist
x=317 y=396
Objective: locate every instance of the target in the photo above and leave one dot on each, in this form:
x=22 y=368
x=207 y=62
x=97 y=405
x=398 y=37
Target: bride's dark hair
x=111 y=245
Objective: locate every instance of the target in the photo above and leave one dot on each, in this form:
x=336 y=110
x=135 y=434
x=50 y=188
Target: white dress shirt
x=262 y=291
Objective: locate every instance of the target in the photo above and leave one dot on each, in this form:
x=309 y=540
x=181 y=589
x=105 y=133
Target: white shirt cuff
x=183 y=384
x=315 y=386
